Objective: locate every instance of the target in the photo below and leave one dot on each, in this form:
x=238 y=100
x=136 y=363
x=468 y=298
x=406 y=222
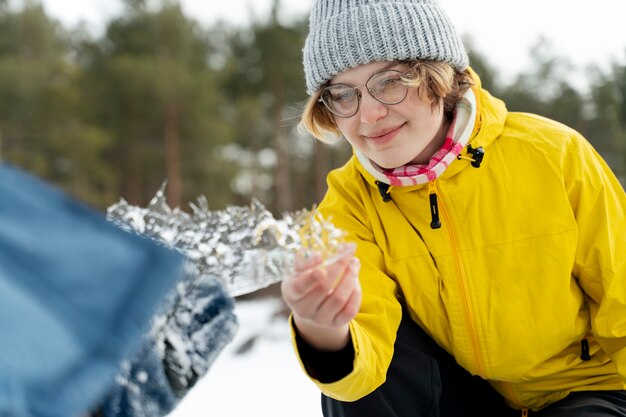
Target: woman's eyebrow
x=385 y=68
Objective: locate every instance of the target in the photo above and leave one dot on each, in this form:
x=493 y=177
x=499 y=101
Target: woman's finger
x=339 y=295
x=350 y=308
x=310 y=286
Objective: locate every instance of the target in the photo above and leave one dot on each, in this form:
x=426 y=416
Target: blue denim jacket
x=77 y=296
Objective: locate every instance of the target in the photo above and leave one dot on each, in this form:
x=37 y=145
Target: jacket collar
x=482 y=122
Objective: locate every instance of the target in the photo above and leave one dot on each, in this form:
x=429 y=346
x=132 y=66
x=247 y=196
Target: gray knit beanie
x=347 y=33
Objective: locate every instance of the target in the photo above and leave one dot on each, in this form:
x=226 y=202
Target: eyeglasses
x=344 y=100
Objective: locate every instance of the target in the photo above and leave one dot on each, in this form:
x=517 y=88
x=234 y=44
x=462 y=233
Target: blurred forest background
x=214 y=110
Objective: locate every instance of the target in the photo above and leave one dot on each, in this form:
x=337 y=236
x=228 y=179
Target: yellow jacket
x=529 y=261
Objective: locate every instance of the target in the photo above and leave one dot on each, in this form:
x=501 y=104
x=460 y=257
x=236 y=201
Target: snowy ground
x=258 y=378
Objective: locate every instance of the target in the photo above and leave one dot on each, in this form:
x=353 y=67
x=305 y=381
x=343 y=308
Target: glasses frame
x=370 y=91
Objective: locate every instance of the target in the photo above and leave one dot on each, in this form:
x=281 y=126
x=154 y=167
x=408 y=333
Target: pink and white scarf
x=457 y=137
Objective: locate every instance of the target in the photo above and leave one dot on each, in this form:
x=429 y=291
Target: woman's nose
x=372 y=110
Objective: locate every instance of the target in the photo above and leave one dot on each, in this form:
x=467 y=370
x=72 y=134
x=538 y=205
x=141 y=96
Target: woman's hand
x=324 y=298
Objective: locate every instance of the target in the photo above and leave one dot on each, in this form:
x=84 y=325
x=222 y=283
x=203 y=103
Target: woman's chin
x=391 y=163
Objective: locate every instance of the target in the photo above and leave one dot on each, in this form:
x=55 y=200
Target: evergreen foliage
x=214 y=110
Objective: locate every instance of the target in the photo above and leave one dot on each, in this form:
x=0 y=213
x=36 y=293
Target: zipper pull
x=584 y=348
x=383 y=189
x=525 y=412
x=434 y=207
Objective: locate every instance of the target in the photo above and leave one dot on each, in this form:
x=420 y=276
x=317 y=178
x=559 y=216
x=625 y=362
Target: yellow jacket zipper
x=463 y=285
x=512 y=396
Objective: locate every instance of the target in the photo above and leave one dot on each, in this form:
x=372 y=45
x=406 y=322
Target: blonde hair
x=436 y=82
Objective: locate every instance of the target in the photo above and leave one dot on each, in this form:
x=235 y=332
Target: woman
x=502 y=235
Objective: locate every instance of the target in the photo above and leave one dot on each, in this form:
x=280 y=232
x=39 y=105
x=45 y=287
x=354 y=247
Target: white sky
x=583 y=31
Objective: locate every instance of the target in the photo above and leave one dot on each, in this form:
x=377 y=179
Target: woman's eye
x=344 y=96
x=390 y=82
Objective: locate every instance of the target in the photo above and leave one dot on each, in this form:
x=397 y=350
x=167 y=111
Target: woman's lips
x=384 y=135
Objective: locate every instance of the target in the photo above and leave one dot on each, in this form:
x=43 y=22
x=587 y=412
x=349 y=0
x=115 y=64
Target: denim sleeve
x=76 y=295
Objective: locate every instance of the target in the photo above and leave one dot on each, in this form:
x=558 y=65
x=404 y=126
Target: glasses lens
x=387 y=87
x=340 y=99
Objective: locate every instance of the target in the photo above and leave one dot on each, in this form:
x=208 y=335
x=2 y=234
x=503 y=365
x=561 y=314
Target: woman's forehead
x=359 y=75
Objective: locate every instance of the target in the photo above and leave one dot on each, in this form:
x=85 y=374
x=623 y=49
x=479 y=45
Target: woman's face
x=409 y=132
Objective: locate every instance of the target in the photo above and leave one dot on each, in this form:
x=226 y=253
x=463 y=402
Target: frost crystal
x=246 y=248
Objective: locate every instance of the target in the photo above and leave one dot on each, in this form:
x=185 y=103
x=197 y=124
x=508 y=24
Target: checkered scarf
x=457 y=137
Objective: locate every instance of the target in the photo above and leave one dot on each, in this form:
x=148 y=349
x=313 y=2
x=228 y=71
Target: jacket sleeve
x=373 y=330
x=599 y=205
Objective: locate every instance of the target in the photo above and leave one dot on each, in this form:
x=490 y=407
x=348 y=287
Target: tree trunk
x=282 y=181
x=130 y=160
x=321 y=166
x=172 y=156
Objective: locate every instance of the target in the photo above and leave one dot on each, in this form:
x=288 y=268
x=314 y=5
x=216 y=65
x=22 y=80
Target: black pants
x=587 y=404
x=423 y=380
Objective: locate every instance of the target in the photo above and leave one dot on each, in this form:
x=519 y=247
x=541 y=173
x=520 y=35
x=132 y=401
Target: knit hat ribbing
x=347 y=33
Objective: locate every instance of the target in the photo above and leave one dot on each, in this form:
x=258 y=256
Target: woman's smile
x=384 y=135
